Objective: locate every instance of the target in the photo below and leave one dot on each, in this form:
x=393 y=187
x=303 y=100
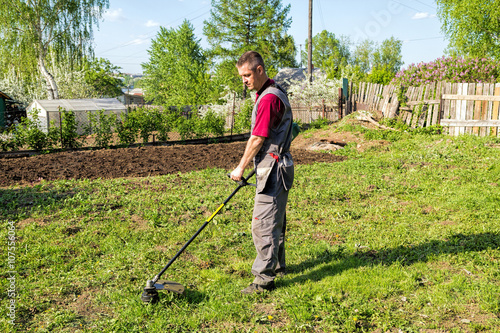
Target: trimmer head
x=150 y=294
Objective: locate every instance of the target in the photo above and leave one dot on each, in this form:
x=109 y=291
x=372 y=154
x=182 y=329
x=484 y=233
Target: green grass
x=405 y=236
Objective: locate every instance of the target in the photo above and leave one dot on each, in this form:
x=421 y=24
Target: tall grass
x=401 y=237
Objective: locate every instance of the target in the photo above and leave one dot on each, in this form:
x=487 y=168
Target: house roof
x=3 y=95
x=135 y=92
x=94 y=104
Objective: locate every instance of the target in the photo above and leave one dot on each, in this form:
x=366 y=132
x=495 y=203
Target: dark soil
x=134 y=162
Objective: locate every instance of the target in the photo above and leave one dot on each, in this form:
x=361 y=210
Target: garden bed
x=133 y=162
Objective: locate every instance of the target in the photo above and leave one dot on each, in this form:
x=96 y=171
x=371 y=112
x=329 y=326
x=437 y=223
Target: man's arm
x=253 y=146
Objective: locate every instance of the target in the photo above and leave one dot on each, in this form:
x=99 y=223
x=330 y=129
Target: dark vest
x=276 y=147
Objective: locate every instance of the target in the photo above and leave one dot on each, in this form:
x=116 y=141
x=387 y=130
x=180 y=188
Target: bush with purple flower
x=449 y=69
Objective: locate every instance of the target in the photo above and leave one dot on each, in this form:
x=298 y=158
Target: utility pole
x=309 y=42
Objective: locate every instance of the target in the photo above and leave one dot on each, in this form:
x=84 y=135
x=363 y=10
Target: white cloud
x=142 y=39
x=114 y=15
x=422 y=15
x=151 y=23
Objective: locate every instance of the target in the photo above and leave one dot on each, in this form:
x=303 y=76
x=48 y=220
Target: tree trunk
x=52 y=91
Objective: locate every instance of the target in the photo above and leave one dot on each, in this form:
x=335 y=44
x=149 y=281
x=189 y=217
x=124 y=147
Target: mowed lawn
x=404 y=236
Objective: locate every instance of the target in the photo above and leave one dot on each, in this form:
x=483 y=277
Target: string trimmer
x=150 y=294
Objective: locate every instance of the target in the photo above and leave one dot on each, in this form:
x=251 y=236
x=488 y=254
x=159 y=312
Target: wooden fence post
x=340 y=104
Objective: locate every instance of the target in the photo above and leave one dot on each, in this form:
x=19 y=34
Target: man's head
x=252 y=70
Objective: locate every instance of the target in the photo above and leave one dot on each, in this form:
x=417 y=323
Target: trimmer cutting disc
x=170 y=286
x=150 y=294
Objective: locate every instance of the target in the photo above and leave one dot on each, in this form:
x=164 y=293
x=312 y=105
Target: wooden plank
x=432 y=107
x=486 y=107
x=394 y=106
x=495 y=111
x=369 y=93
x=411 y=97
x=418 y=109
x=429 y=89
x=381 y=98
x=436 y=115
x=472 y=98
x=387 y=97
x=446 y=103
x=461 y=107
x=426 y=101
x=469 y=110
x=463 y=123
x=359 y=97
x=376 y=97
x=477 y=108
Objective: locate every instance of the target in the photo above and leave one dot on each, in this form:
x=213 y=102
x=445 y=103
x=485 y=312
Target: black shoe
x=258 y=288
x=281 y=273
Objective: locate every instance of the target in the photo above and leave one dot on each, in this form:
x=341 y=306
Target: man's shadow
x=403 y=254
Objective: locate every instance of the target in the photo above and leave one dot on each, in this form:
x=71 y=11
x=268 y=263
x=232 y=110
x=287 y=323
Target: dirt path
x=133 y=162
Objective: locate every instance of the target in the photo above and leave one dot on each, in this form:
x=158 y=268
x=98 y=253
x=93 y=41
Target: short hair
x=253 y=59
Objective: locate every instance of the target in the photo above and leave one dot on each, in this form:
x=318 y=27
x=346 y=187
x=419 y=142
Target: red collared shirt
x=269 y=112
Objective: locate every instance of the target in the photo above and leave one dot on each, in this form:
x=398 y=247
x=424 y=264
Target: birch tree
x=472 y=27
x=30 y=29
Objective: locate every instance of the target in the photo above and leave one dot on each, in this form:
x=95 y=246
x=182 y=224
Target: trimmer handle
x=244 y=180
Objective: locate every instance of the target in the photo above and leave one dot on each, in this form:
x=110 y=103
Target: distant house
x=49 y=110
x=134 y=97
x=286 y=75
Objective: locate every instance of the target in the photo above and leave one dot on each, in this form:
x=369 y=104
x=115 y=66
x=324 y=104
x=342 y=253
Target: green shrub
x=127 y=129
x=101 y=125
x=7 y=142
x=319 y=123
x=29 y=133
x=166 y=121
x=69 y=130
x=185 y=126
x=243 y=119
x=210 y=123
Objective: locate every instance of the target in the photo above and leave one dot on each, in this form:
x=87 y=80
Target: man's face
x=253 y=79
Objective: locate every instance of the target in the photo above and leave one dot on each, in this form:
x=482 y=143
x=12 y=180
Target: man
x=269 y=148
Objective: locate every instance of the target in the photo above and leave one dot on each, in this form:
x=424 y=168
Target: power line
x=402 y=4
x=419 y=39
x=425 y=4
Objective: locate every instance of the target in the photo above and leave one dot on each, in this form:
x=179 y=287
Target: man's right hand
x=237 y=174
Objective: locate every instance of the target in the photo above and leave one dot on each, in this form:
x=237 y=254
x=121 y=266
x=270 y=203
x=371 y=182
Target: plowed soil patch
x=134 y=162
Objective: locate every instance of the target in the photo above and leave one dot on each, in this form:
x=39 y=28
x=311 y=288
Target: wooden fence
x=461 y=108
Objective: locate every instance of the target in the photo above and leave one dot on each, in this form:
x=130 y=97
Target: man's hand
x=237 y=173
x=252 y=148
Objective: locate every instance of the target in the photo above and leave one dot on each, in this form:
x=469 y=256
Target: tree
x=472 y=27
x=388 y=55
x=102 y=75
x=329 y=53
x=383 y=60
x=177 y=71
x=236 y=26
x=363 y=54
x=32 y=29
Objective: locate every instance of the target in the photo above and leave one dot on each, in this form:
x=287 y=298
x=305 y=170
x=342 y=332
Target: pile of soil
x=135 y=162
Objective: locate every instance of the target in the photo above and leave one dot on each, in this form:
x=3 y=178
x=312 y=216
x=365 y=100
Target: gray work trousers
x=268 y=231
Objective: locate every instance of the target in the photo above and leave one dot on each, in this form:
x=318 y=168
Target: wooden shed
x=49 y=110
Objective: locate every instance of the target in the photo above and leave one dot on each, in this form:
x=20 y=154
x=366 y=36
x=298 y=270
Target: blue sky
x=125 y=34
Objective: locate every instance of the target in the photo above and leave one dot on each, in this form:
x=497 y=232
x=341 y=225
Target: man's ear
x=260 y=69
